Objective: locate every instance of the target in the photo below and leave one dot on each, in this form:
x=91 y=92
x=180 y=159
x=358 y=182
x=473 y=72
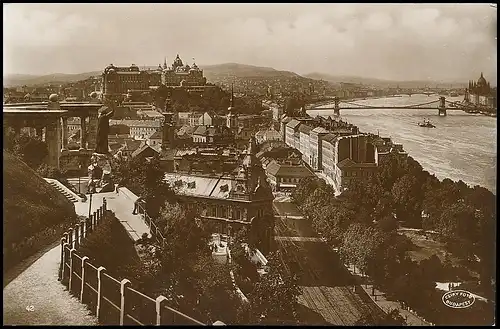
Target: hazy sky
x=396 y=41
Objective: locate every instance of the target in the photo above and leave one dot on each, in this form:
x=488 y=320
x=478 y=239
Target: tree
x=211 y=289
x=146 y=178
x=360 y=245
x=184 y=234
x=392 y=318
x=32 y=150
x=304 y=190
x=406 y=193
x=274 y=299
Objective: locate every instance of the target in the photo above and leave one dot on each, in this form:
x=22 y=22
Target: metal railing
x=156 y=232
x=105 y=294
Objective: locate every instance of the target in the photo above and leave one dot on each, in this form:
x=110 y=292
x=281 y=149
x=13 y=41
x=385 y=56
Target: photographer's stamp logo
x=458 y=299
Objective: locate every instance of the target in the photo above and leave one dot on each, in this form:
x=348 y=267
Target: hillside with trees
x=363 y=223
x=35 y=214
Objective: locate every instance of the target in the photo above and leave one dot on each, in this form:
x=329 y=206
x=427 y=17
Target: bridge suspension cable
x=375 y=107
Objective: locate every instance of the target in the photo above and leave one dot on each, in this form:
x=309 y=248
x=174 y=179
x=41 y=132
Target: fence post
x=77 y=238
x=104 y=204
x=123 y=287
x=70 y=234
x=61 y=267
x=159 y=300
x=65 y=245
x=97 y=217
x=89 y=225
x=71 y=267
x=84 y=259
x=99 y=290
x=83 y=230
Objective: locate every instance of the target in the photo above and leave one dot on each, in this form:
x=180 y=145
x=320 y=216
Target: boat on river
x=426 y=124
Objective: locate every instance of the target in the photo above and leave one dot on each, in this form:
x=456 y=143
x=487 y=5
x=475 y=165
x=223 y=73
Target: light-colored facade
x=304 y=144
x=117 y=81
x=316 y=148
x=292 y=134
x=285 y=176
x=328 y=154
x=139 y=129
x=182 y=75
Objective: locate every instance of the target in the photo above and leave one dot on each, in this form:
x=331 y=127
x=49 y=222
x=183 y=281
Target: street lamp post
x=91 y=191
x=79 y=174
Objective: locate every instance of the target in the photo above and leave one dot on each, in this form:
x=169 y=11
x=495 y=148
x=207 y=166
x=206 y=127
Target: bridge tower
x=336 y=109
x=442 y=106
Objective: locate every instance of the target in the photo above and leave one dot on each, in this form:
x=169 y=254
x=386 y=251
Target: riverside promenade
x=36 y=297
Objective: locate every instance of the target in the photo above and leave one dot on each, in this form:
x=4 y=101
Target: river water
x=462 y=146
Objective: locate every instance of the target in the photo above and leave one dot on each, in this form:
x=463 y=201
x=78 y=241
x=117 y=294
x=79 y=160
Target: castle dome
x=53 y=98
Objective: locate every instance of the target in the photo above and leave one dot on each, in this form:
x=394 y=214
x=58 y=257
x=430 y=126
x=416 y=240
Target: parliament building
x=480 y=93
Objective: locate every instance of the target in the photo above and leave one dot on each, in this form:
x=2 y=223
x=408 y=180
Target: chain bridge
x=441 y=104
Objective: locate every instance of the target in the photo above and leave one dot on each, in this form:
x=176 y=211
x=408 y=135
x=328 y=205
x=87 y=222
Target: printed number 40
x=30 y=308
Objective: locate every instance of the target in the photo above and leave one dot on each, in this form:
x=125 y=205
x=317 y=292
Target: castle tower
x=168 y=133
x=231 y=117
x=251 y=165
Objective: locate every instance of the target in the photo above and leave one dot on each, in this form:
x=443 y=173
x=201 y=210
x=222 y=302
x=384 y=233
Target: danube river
x=462 y=146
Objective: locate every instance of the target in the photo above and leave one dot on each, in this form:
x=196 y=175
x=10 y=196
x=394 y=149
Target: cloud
x=378 y=21
x=371 y=40
x=40 y=28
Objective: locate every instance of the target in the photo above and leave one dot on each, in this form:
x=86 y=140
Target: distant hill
x=56 y=78
x=243 y=71
x=217 y=72
x=212 y=72
x=382 y=83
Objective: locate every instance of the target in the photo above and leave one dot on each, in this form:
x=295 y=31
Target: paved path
x=386 y=305
x=36 y=297
x=122 y=206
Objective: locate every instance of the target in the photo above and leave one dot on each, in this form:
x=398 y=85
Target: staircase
x=63 y=190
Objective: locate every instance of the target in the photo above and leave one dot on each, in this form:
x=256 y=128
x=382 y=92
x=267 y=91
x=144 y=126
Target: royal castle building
x=181 y=75
x=118 y=82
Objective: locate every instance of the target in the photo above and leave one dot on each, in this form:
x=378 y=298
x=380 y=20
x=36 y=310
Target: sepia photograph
x=249 y=164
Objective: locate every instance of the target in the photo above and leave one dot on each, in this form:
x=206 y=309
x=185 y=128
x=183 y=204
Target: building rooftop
x=156 y=135
x=305 y=129
x=330 y=138
x=276 y=169
x=136 y=123
x=320 y=130
x=348 y=163
x=293 y=124
x=142 y=148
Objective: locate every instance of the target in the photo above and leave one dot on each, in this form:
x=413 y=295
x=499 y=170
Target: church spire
x=165 y=62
